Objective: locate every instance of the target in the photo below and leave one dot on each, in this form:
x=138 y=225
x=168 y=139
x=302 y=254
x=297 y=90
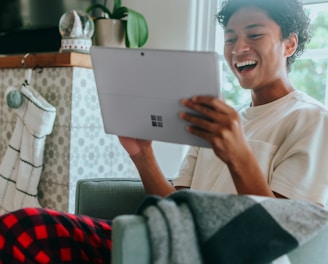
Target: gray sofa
x=119 y=198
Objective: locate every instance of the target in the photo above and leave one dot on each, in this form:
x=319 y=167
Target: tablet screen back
x=140 y=90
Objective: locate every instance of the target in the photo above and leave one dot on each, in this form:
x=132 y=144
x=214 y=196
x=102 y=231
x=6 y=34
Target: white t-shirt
x=289 y=138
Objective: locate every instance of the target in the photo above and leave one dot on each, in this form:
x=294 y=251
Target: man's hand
x=220 y=126
x=134 y=146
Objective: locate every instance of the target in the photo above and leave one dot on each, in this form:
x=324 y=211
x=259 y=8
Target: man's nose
x=241 y=46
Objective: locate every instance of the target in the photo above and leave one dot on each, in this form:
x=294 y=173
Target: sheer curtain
x=205 y=24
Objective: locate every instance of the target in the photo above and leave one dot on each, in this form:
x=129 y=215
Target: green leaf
x=120 y=13
x=137 y=29
x=117 y=5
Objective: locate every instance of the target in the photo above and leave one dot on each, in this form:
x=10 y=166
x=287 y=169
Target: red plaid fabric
x=38 y=235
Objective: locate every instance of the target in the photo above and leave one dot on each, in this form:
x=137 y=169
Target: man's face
x=254 y=48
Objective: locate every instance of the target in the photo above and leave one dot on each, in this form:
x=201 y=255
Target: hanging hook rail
x=23 y=61
x=28 y=73
x=14 y=97
x=39 y=68
x=25 y=66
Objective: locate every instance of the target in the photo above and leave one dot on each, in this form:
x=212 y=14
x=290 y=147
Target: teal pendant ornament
x=14 y=98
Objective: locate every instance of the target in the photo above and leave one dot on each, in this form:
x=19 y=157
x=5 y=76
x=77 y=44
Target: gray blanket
x=198 y=227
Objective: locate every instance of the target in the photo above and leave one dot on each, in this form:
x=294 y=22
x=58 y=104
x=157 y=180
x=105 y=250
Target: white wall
x=171 y=22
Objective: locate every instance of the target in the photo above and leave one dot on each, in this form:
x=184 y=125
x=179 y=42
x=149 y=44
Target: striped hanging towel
x=21 y=167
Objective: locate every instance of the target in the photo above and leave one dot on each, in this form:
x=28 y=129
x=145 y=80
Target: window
x=309 y=72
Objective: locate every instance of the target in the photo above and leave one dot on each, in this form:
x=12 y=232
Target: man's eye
x=255 y=36
x=230 y=41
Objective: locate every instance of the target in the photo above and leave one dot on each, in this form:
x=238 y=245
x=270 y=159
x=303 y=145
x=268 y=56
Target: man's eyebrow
x=254 y=26
x=251 y=26
x=228 y=30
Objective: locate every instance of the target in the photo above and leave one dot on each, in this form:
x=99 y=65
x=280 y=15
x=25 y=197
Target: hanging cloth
x=22 y=165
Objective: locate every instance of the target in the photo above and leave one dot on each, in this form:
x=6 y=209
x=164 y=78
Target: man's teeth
x=245 y=63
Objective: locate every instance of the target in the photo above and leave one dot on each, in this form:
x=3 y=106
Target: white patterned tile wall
x=78 y=148
x=94 y=154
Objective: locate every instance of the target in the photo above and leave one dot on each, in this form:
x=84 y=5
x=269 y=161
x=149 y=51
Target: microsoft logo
x=156 y=120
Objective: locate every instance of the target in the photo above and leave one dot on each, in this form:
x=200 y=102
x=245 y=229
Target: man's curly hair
x=288 y=14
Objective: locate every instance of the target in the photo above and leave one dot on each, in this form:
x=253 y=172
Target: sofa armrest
x=107 y=198
x=131 y=244
x=130 y=240
x=313 y=251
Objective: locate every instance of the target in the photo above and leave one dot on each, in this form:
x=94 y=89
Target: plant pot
x=109 y=33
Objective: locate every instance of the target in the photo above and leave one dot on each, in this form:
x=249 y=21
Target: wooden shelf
x=32 y=60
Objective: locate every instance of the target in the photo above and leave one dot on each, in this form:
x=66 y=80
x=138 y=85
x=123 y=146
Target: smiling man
x=276 y=144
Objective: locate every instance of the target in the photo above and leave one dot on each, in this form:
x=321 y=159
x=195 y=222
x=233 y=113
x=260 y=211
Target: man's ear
x=291 y=44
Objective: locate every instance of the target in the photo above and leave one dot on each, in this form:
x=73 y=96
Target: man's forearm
x=151 y=175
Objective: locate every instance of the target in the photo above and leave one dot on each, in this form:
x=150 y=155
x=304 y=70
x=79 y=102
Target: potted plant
x=129 y=26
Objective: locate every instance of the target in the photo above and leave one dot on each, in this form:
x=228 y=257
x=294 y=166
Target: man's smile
x=245 y=65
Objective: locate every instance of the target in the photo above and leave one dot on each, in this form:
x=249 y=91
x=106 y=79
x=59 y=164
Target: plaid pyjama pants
x=39 y=235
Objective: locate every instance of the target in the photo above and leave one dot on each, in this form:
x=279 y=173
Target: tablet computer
x=139 y=90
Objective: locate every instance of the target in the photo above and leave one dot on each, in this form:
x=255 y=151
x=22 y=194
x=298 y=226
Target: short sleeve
x=187 y=168
x=301 y=164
